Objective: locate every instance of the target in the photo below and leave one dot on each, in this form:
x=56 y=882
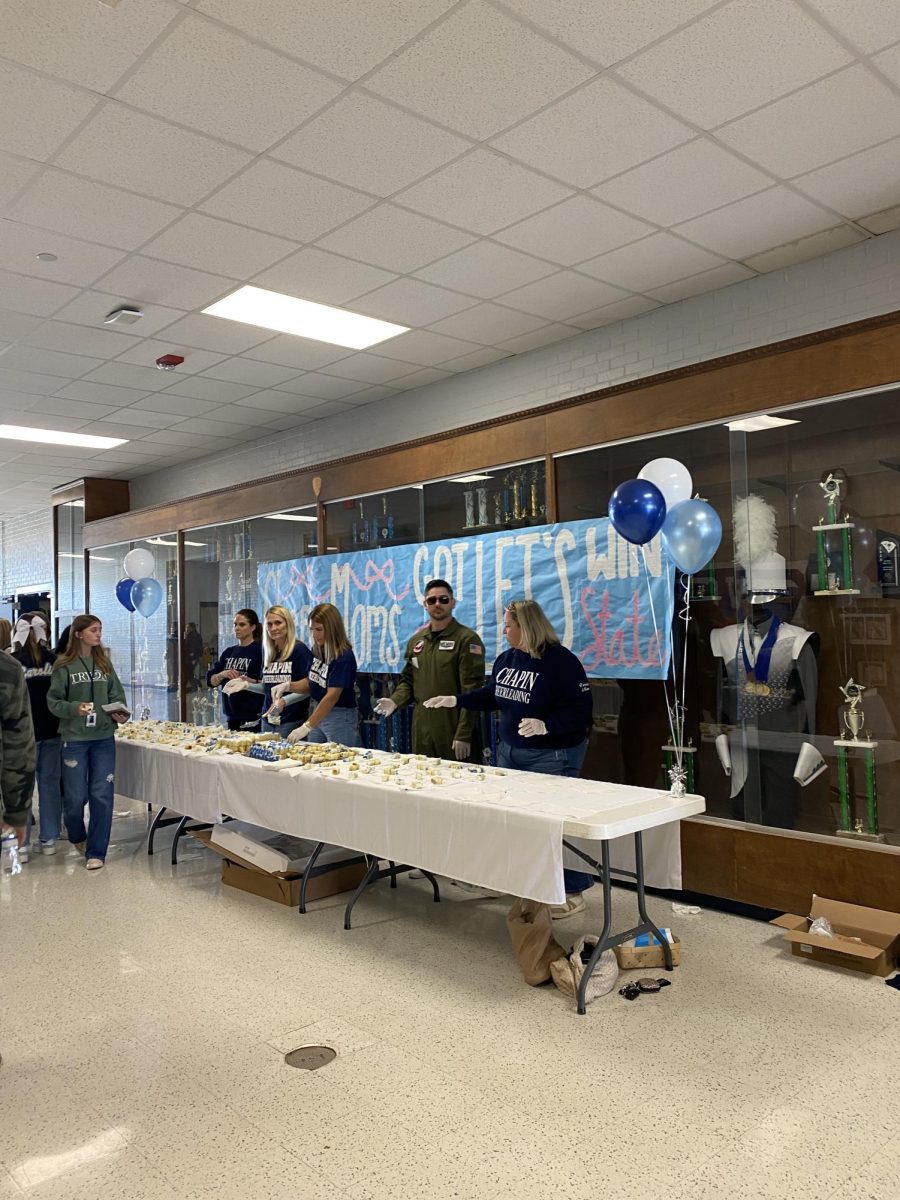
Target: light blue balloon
x=146 y=596
x=692 y=532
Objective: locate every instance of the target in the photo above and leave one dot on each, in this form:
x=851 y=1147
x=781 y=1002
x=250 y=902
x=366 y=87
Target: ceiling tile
x=277 y=402
x=79 y=339
x=364 y=35
x=38 y=297
x=136 y=151
x=545 y=336
x=861 y=184
x=370 y=145
x=651 y=262
x=145 y=354
x=100 y=393
x=148 y=280
x=38 y=114
x=426 y=348
x=758 y=223
x=478 y=71
x=116 y=428
x=35 y=358
x=182 y=439
x=868 y=24
x=183 y=406
x=216 y=391
x=627 y=25
x=847 y=112
x=579 y=139
x=89 y=308
x=324 y=387
x=483 y=191
x=74 y=408
x=83 y=43
x=288 y=350
x=482 y=357
x=14 y=326
x=806 y=248
x=146 y=417
x=86 y=209
x=369 y=368
x=244 y=370
x=28 y=381
x=397 y=240
x=488 y=323
x=882 y=222
x=411 y=302
x=485 y=270
x=280 y=199
x=741 y=56
x=684 y=183
x=15 y=173
x=217 y=428
x=146 y=379
x=207 y=243
x=562 y=296
x=705 y=281
x=240 y=414
x=608 y=314
x=418 y=379
x=196 y=75
x=889 y=62
x=79 y=263
x=216 y=334
x=328 y=278
x=331 y=408
x=574 y=230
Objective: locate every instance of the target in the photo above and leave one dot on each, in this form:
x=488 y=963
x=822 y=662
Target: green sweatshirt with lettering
x=77 y=682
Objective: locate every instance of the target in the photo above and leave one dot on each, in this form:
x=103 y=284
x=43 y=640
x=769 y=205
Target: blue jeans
x=89 y=770
x=549 y=762
x=341 y=725
x=47 y=778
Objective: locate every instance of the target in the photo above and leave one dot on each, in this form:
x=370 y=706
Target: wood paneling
x=773 y=869
x=102 y=497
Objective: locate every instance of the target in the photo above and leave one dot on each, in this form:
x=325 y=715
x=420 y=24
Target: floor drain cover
x=310 y=1058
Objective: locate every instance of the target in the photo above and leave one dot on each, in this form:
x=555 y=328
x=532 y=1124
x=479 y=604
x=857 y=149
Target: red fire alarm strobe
x=169 y=362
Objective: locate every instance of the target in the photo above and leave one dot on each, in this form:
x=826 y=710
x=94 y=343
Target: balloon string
x=665 y=680
x=684 y=615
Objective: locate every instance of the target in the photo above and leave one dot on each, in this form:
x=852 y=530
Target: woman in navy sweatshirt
x=545 y=704
x=242 y=661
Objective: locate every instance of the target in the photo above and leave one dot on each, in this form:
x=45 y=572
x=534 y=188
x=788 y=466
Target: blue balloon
x=146 y=596
x=692 y=533
x=637 y=509
x=123 y=593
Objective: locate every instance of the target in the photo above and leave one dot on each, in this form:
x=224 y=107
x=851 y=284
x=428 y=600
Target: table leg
x=310 y=863
x=642 y=900
x=182 y=825
x=606 y=880
x=363 y=884
x=157 y=821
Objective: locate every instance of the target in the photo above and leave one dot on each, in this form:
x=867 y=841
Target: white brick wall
x=860 y=281
x=27 y=551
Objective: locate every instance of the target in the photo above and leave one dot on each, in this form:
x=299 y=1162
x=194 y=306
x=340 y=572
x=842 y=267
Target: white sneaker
x=574 y=904
x=24 y=854
x=94 y=864
x=48 y=847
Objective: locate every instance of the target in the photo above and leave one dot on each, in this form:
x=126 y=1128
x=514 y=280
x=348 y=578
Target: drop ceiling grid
x=492 y=208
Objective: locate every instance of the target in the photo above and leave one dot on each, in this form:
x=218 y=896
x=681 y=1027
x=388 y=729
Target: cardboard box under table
x=866 y=939
x=646 y=950
x=284 y=886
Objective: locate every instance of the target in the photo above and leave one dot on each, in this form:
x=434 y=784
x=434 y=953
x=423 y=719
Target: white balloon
x=139 y=564
x=671 y=477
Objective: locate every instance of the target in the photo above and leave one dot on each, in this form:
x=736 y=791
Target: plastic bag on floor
x=567 y=972
x=531 y=934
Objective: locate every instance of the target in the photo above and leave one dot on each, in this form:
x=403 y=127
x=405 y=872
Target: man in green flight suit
x=442 y=659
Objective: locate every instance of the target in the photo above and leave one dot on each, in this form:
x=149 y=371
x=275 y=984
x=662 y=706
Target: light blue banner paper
x=609 y=601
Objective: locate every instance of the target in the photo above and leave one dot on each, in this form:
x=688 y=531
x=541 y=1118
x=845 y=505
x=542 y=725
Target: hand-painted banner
x=610 y=602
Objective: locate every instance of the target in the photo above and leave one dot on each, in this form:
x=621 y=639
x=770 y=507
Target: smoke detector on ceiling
x=126 y=315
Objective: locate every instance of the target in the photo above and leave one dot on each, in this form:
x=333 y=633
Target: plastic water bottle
x=9 y=853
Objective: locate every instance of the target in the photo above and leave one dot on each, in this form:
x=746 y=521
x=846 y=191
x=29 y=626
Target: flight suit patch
x=447 y=645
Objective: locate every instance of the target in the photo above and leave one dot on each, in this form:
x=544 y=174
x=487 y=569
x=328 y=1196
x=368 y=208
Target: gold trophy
x=854 y=719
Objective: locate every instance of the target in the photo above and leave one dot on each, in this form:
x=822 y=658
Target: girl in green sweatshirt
x=82 y=684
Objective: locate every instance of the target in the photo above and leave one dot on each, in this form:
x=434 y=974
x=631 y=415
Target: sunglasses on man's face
x=437 y=599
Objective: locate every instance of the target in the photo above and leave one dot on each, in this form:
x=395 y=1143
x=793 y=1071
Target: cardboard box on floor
x=282 y=888
x=632 y=955
x=876 y=951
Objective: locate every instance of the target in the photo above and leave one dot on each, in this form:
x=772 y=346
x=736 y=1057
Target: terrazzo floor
x=145 y=1012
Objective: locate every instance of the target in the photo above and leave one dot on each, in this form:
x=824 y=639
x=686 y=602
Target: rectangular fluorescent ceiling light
x=73 y=504
x=94 y=557
x=162 y=542
x=470 y=478
x=56 y=437
x=755 y=424
x=288 y=314
x=289 y=517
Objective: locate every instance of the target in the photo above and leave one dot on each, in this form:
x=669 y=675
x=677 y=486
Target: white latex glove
x=385 y=707
x=724 y=752
x=279 y=690
x=301 y=733
x=273 y=716
x=440 y=702
x=235 y=685
x=462 y=750
x=531 y=727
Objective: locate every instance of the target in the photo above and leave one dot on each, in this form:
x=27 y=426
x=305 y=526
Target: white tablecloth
x=170 y=778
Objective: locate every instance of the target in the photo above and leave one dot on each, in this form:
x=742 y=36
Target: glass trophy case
x=69 y=519
x=510 y=497
x=221 y=577
x=371 y=522
x=144 y=649
x=792 y=707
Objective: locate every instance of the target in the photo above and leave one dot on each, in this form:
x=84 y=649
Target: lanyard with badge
x=91 y=718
